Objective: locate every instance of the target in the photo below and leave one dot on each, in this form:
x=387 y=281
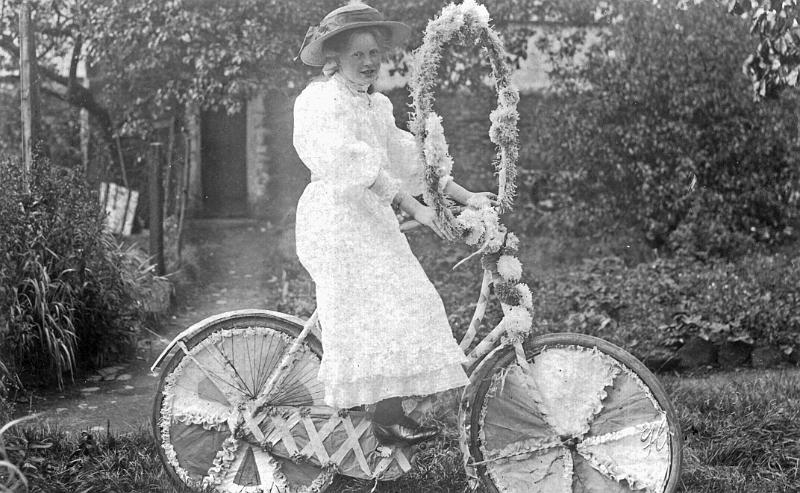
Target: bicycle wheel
x=584 y=416
x=201 y=391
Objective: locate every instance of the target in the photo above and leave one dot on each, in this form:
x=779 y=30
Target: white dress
x=384 y=328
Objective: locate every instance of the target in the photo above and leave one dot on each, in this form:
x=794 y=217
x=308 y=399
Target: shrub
x=662 y=135
x=65 y=284
x=666 y=301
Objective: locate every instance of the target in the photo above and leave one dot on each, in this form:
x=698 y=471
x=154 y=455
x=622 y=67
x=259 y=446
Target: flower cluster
x=436 y=152
x=515 y=296
x=481 y=227
x=467 y=21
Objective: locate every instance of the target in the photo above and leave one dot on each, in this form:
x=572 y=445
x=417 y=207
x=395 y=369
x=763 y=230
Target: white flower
x=493 y=231
x=437 y=155
x=471 y=222
x=518 y=322
x=509 y=268
x=512 y=241
x=479 y=12
x=525 y=295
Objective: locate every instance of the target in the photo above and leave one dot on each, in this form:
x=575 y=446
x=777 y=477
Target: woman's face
x=361 y=58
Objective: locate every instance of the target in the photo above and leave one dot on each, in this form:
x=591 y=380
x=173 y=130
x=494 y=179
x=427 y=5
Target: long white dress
x=384 y=328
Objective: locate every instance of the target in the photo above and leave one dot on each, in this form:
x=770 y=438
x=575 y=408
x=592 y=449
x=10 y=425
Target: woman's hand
x=478 y=200
x=427 y=216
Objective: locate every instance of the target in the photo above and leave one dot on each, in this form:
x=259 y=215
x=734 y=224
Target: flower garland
x=476 y=225
x=469 y=21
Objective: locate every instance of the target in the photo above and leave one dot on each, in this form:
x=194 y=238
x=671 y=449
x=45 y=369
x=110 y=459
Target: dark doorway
x=224 y=163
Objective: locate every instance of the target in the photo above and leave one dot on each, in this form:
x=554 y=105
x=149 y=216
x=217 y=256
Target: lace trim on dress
x=344 y=395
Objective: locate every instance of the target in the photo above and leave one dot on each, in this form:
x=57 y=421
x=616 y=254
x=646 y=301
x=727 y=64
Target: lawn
x=742 y=434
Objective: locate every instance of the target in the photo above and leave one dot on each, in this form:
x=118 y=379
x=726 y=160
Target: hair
x=335 y=45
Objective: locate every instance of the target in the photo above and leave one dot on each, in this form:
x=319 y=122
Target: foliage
x=656 y=131
x=11 y=477
x=741 y=431
x=56 y=460
x=150 y=58
x=775 y=63
x=643 y=307
x=66 y=287
x=640 y=307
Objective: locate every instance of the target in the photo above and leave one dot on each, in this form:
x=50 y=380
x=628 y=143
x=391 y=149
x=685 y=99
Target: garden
x=658 y=208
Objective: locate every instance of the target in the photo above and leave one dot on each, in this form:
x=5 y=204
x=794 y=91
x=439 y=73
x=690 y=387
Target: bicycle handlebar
x=412 y=224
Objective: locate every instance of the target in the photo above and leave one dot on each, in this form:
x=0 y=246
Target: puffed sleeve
x=404 y=160
x=328 y=141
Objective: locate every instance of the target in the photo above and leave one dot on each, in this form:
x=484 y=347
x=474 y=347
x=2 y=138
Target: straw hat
x=350 y=16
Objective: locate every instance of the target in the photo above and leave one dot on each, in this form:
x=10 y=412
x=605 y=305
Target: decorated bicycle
x=239 y=406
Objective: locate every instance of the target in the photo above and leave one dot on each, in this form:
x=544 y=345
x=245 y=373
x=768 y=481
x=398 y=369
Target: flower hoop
x=477 y=225
x=469 y=22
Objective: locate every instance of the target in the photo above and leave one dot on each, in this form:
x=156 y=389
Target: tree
x=775 y=63
x=663 y=136
x=149 y=58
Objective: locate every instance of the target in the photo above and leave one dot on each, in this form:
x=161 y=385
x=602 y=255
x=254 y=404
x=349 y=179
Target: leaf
x=735 y=7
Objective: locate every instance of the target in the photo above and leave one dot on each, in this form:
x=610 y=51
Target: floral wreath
x=478 y=224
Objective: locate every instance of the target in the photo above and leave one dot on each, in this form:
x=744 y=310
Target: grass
x=742 y=431
x=742 y=434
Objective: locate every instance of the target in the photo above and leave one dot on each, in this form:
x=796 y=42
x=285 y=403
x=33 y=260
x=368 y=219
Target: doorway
x=223 y=157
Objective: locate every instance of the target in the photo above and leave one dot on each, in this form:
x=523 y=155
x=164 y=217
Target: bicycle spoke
x=226 y=368
x=229 y=389
x=203 y=430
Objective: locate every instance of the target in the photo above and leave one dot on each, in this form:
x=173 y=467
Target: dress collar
x=356 y=89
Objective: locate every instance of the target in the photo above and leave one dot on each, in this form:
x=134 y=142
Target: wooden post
x=183 y=191
x=156 y=193
x=29 y=89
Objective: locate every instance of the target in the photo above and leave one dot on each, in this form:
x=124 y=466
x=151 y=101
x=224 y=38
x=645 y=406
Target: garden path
x=232 y=264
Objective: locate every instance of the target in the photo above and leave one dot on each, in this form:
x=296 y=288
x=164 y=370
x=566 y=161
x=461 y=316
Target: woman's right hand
x=427 y=215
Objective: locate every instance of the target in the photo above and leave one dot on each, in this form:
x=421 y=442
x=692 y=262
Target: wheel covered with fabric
x=200 y=399
x=581 y=415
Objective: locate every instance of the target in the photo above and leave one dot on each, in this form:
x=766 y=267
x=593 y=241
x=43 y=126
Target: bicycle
x=238 y=409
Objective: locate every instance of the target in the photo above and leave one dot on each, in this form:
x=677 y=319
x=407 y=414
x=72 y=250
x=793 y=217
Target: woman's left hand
x=479 y=200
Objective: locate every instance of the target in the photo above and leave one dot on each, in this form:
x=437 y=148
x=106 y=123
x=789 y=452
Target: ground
x=740 y=427
x=230 y=269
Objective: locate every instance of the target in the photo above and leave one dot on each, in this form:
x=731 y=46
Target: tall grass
x=67 y=288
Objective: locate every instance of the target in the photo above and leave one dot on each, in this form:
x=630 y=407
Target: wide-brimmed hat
x=350 y=16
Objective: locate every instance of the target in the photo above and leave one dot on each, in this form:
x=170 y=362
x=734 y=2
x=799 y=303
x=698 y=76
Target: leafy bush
x=66 y=297
x=666 y=301
x=658 y=131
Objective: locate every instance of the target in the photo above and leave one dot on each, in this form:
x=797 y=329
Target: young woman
x=385 y=333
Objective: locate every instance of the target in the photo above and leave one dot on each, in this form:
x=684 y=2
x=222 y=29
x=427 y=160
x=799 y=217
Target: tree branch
x=7 y=44
x=74 y=60
x=52 y=92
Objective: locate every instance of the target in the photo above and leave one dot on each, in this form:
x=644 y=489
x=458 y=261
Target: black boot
x=407 y=431
x=390 y=425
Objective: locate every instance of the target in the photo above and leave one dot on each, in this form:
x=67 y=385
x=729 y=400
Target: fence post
x=156 y=193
